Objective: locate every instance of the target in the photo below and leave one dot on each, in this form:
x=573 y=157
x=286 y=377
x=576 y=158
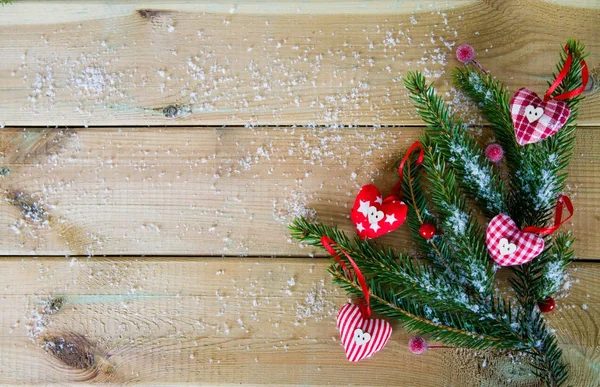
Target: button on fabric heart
x=509 y=246
x=506 y=248
x=533 y=114
x=361 y=338
x=374 y=216
x=534 y=119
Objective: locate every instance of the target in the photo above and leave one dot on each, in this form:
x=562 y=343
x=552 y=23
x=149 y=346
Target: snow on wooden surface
x=209 y=321
x=213 y=191
x=292 y=62
x=213 y=291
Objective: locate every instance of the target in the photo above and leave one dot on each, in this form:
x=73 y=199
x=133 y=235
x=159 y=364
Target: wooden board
x=228 y=191
x=164 y=321
x=176 y=161
x=267 y=62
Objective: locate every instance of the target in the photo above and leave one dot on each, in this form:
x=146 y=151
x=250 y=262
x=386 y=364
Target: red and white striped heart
x=361 y=337
x=374 y=216
x=510 y=246
x=534 y=119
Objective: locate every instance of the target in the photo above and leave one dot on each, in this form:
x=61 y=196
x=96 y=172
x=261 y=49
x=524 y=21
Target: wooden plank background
x=153 y=153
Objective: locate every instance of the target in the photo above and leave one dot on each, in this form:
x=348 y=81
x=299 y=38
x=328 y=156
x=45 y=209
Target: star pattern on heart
x=361 y=338
x=508 y=245
x=373 y=215
x=391 y=218
x=534 y=119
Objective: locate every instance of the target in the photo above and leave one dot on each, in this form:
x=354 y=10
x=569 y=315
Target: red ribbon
x=365 y=306
x=562 y=75
x=563 y=201
x=415 y=145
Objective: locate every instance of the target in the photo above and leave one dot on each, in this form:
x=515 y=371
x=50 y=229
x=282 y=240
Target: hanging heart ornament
x=361 y=338
x=374 y=216
x=508 y=245
x=534 y=119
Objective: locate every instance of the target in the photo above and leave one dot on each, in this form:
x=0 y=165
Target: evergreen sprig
x=449 y=292
x=414 y=294
x=537 y=171
x=476 y=173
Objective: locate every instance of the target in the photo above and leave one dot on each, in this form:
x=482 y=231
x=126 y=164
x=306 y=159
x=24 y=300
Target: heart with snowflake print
x=374 y=216
x=510 y=246
x=534 y=119
x=361 y=337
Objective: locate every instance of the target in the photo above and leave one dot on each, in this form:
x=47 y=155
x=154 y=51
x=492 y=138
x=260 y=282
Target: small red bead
x=547 y=305
x=427 y=230
x=465 y=53
x=494 y=153
x=417 y=345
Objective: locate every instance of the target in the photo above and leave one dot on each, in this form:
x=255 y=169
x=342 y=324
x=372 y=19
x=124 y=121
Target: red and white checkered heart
x=374 y=216
x=508 y=245
x=361 y=338
x=534 y=119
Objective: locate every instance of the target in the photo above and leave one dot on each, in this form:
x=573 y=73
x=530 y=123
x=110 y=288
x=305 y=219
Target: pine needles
x=448 y=293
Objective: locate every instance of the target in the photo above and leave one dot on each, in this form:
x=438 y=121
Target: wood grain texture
x=158 y=321
x=228 y=191
x=292 y=62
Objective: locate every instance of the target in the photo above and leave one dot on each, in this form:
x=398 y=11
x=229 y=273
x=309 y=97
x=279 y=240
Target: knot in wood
x=171 y=111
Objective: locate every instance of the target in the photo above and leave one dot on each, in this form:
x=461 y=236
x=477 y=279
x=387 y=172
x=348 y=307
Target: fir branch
x=463 y=238
x=476 y=173
x=554 y=264
x=537 y=175
x=384 y=265
x=419 y=214
x=537 y=171
x=452 y=328
x=3 y=2
x=544 y=350
x=494 y=103
x=414 y=291
x=543 y=167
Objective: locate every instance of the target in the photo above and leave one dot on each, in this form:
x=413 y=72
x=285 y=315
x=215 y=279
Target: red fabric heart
x=534 y=119
x=373 y=216
x=361 y=338
x=510 y=246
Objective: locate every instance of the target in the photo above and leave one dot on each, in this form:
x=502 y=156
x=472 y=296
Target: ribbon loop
x=415 y=145
x=562 y=75
x=563 y=201
x=365 y=306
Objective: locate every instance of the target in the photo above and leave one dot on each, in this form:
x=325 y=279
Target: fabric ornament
x=535 y=119
x=510 y=246
x=361 y=337
x=374 y=216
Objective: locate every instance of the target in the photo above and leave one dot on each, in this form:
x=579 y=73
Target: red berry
x=547 y=305
x=417 y=345
x=465 y=53
x=427 y=230
x=494 y=153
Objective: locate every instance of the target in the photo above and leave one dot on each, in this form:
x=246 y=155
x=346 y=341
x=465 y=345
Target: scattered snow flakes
x=317 y=305
x=253 y=72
